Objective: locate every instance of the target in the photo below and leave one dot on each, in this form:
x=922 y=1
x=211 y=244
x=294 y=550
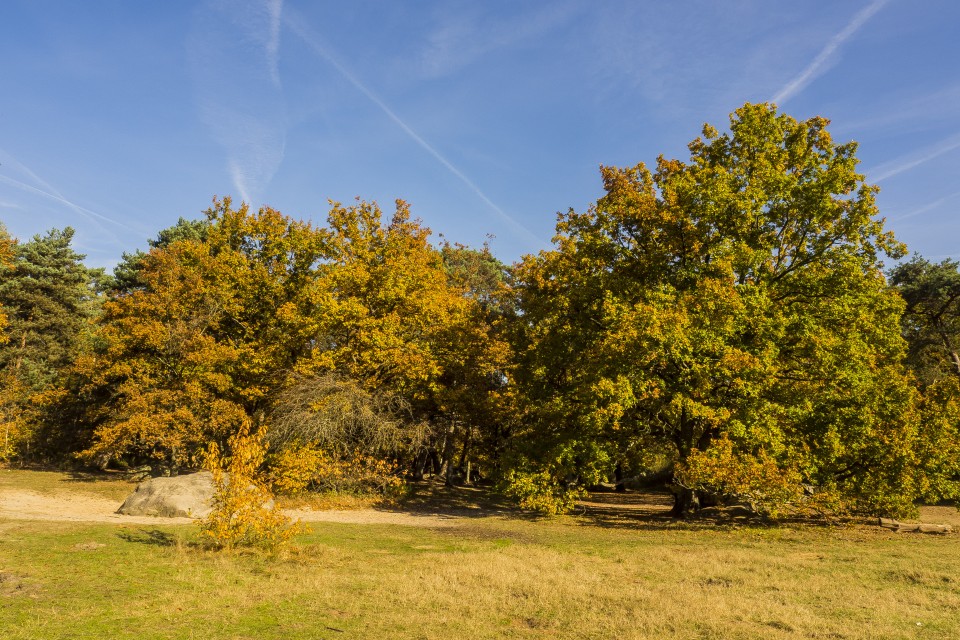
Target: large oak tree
x=728 y=306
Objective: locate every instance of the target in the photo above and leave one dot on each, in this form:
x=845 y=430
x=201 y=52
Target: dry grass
x=332 y=501
x=598 y=575
x=111 y=486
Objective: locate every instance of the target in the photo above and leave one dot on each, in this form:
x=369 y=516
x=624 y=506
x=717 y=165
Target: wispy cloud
x=298 y=26
x=275 y=11
x=463 y=37
x=825 y=58
x=911 y=112
x=234 y=54
x=930 y=206
x=43 y=188
x=912 y=160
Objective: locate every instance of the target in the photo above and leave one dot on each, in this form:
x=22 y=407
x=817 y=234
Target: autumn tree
x=731 y=303
x=9 y=384
x=217 y=325
x=126 y=275
x=6 y=262
x=401 y=322
x=223 y=326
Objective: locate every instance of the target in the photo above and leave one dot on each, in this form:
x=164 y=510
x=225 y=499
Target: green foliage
x=479 y=273
x=939 y=440
x=47 y=295
x=737 y=295
x=931 y=322
x=931 y=325
x=724 y=318
x=539 y=491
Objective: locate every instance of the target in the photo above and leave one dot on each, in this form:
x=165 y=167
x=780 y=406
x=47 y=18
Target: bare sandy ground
x=74 y=507
x=18 y=504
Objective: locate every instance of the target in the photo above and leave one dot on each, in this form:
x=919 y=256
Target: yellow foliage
x=14 y=423
x=244 y=514
x=298 y=469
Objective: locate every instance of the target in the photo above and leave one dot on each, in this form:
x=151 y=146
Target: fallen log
x=906 y=527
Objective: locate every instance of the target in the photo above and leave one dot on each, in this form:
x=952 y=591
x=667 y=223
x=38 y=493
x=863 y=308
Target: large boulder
x=186 y=496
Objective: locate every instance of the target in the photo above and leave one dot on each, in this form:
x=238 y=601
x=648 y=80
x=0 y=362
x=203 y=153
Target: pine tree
x=47 y=295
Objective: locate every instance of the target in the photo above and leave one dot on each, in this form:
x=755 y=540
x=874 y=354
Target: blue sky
x=116 y=118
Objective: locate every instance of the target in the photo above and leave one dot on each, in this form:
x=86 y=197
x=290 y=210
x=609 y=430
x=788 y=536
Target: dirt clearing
x=16 y=504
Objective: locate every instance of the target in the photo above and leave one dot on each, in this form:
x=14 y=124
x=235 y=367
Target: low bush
x=244 y=513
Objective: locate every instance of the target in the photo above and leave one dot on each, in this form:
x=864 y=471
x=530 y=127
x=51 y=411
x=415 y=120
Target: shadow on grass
x=650 y=509
x=153 y=537
x=638 y=509
x=92 y=476
x=628 y=510
x=437 y=499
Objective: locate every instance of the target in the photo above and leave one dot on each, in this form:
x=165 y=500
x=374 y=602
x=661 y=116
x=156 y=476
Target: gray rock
x=186 y=496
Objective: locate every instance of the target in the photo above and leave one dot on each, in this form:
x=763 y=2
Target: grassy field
x=490 y=577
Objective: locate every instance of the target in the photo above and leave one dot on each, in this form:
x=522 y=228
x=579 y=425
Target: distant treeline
x=722 y=324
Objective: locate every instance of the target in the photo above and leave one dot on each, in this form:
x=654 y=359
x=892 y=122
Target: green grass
x=490 y=577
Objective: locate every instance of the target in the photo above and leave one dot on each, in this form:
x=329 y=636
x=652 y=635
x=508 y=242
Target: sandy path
x=76 y=507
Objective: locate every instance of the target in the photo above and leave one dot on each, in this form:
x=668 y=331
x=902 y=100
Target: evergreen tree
x=48 y=295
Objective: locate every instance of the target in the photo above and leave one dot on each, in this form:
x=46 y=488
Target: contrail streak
x=906 y=163
x=927 y=207
x=93 y=215
x=816 y=67
x=313 y=41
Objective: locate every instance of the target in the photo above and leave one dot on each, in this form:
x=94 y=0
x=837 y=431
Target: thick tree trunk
x=618 y=478
x=685 y=502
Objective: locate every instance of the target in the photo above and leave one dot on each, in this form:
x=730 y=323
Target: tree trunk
x=466 y=447
x=420 y=461
x=446 y=466
x=956 y=362
x=618 y=478
x=685 y=502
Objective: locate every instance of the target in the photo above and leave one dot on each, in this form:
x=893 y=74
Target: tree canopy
x=721 y=322
x=737 y=298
